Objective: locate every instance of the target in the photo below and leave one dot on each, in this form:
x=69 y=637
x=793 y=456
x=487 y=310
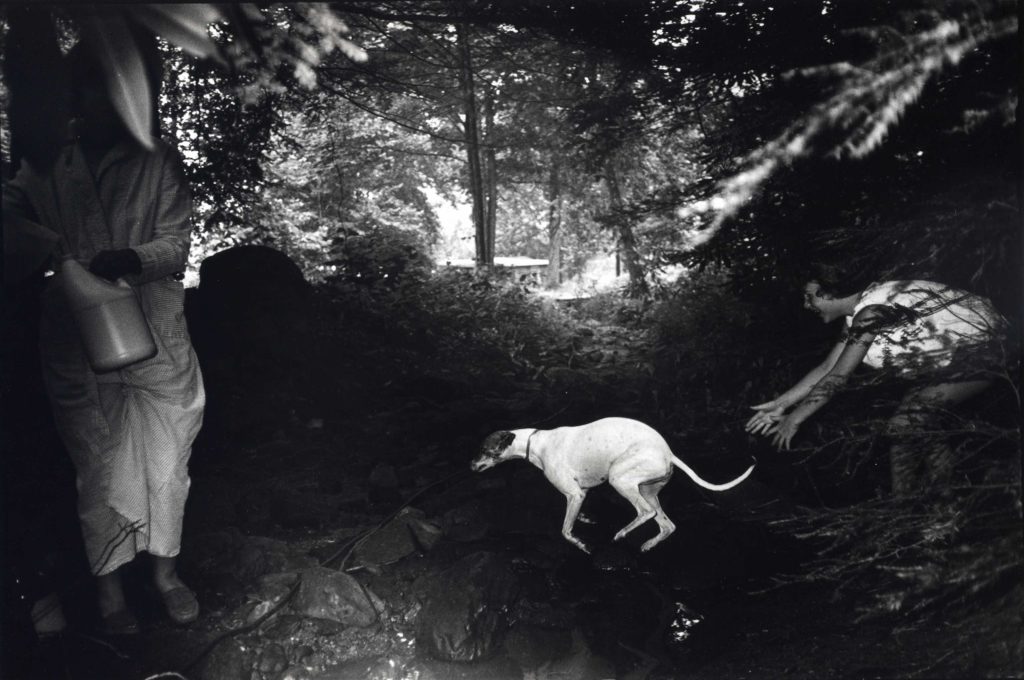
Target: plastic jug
x=109 y=318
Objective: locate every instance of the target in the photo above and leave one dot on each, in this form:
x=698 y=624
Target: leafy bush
x=953 y=558
x=382 y=257
x=488 y=311
x=702 y=353
x=385 y=288
x=612 y=307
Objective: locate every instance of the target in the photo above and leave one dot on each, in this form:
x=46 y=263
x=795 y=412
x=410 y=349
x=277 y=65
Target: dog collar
x=528 y=444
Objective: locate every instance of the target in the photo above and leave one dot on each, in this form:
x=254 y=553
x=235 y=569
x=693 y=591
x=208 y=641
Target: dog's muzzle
x=482 y=463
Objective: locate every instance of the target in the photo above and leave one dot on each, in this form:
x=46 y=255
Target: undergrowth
x=949 y=558
x=456 y=315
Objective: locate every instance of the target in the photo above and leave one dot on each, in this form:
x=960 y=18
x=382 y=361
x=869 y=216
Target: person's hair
x=838 y=280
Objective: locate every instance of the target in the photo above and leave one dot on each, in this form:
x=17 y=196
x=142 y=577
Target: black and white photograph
x=511 y=340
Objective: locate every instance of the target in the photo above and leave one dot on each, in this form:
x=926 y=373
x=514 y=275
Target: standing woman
x=124 y=212
x=948 y=342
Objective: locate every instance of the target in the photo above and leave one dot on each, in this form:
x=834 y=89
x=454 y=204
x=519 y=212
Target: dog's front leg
x=574 y=501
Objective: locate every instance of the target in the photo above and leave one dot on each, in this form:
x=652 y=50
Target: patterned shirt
x=929 y=324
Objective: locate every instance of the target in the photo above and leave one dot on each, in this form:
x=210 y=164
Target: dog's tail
x=708 y=485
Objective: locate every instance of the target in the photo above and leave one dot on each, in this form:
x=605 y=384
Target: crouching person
x=948 y=344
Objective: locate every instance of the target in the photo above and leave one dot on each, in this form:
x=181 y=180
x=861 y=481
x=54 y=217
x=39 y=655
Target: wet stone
x=258 y=555
x=301 y=653
x=336 y=596
x=534 y=646
x=272 y=661
x=295 y=673
x=466 y=608
x=544 y=615
x=352 y=645
x=406 y=534
x=255 y=612
x=365 y=669
x=580 y=662
x=321 y=628
x=500 y=667
x=230 y=660
x=285 y=626
x=465 y=523
x=272 y=587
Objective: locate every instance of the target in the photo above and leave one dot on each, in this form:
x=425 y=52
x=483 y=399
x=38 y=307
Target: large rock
x=229 y=551
x=251 y=304
x=409 y=532
x=465 y=614
x=336 y=596
x=230 y=660
x=466 y=523
x=250 y=324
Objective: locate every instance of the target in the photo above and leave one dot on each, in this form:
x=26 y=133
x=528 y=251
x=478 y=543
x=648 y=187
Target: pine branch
x=872 y=98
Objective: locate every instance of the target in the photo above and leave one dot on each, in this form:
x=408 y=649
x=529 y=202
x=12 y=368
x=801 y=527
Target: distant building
x=525 y=269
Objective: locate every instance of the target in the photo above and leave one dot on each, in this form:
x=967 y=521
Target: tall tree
x=471 y=127
x=627 y=247
x=514 y=87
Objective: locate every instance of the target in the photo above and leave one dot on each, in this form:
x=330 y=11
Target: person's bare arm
x=862 y=334
x=770 y=412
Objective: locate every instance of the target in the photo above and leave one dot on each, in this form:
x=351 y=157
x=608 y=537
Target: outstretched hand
x=768 y=414
x=783 y=431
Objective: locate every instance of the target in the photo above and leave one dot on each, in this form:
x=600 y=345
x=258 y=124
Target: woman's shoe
x=182 y=605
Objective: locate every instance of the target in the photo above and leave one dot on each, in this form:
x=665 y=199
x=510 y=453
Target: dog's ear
x=498 y=441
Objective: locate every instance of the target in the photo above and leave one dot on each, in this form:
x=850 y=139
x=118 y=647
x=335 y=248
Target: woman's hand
x=768 y=414
x=783 y=432
x=113 y=264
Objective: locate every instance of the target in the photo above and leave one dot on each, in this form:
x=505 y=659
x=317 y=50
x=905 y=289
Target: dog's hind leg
x=665 y=525
x=644 y=510
x=574 y=501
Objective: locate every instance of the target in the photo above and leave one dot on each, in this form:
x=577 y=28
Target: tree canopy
x=666 y=131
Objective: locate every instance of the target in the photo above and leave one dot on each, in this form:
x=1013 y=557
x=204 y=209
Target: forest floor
x=379 y=489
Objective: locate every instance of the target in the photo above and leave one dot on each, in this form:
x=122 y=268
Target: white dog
x=629 y=455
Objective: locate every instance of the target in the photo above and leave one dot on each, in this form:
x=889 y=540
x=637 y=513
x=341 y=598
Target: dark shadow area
x=347 y=423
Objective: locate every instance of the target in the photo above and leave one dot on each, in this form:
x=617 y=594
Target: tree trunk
x=484 y=256
x=490 y=175
x=554 y=196
x=627 y=241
